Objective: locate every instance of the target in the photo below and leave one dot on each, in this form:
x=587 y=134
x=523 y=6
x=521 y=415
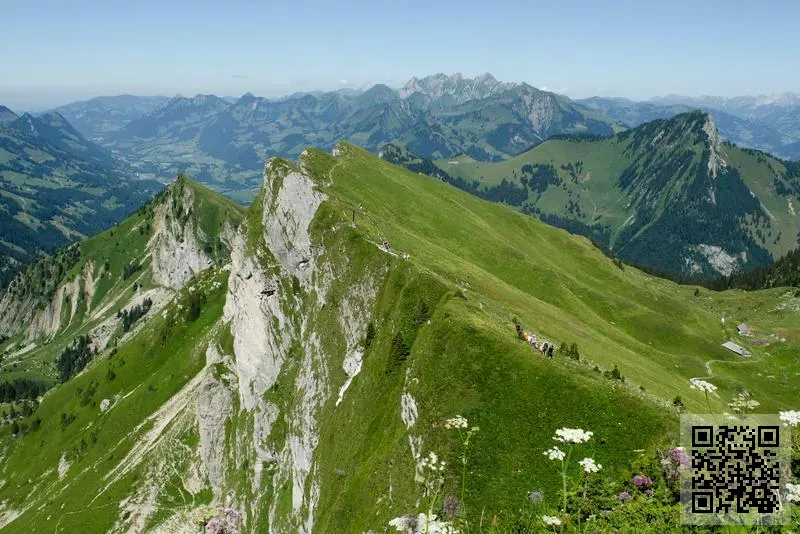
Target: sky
x=54 y=51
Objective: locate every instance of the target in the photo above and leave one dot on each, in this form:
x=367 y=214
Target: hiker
x=550 y=352
x=519 y=329
x=544 y=348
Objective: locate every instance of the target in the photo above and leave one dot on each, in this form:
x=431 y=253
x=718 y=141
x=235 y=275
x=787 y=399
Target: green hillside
x=56 y=187
x=668 y=195
x=78 y=291
x=301 y=383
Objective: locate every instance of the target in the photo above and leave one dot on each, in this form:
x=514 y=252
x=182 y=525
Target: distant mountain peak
x=455 y=87
x=6 y=115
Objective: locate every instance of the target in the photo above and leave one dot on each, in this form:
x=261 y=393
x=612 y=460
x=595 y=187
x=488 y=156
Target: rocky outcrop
x=716 y=163
x=293 y=203
x=214 y=405
x=277 y=342
x=176 y=246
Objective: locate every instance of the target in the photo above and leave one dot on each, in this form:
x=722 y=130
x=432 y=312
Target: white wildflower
x=551 y=520
x=417 y=524
x=456 y=422
x=790 y=418
x=702 y=385
x=555 y=454
x=433 y=463
x=793 y=493
x=590 y=466
x=572 y=435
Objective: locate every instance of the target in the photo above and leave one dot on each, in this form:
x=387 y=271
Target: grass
x=604 y=202
x=444 y=334
x=468 y=361
x=148 y=373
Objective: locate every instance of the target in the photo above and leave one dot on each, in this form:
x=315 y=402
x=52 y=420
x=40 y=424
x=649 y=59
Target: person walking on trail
x=519 y=329
x=550 y=352
x=544 y=349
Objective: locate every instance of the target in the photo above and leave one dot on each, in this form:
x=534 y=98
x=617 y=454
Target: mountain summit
x=669 y=195
x=454 y=89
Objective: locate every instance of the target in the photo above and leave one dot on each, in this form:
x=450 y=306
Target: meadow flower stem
x=564 y=464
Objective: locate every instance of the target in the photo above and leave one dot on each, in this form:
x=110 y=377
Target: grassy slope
x=596 y=189
x=149 y=370
x=559 y=284
x=476 y=265
x=468 y=361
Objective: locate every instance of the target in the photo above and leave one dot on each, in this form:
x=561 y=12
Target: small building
x=738 y=349
x=744 y=330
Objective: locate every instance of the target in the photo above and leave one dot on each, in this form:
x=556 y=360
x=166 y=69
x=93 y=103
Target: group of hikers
x=546 y=348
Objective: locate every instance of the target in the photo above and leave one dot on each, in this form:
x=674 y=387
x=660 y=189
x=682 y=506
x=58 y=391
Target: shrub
x=398 y=354
x=369 y=336
x=197 y=300
x=614 y=374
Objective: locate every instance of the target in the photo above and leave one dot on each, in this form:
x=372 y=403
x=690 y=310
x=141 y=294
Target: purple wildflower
x=648 y=492
x=624 y=496
x=450 y=506
x=232 y=515
x=681 y=458
x=642 y=481
x=215 y=526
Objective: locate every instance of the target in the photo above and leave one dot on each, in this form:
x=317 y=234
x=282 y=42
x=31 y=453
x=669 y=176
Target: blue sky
x=55 y=51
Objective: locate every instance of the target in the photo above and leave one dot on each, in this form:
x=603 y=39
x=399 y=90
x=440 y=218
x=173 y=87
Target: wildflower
x=793 y=493
x=215 y=526
x=790 y=418
x=590 y=466
x=433 y=463
x=555 y=454
x=642 y=481
x=680 y=457
x=450 y=506
x=572 y=435
x=535 y=497
x=624 y=496
x=551 y=520
x=648 y=492
x=742 y=403
x=456 y=422
x=702 y=385
x=415 y=523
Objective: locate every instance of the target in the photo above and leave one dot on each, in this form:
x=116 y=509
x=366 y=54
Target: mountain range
x=56 y=186
x=223 y=144
x=769 y=123
x=341 y=356
x=102 y=115
x=223 y=141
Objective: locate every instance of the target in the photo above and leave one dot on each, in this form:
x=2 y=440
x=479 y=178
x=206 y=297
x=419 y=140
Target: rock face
x=276 y=289
x=176 y=245
x=214 y=405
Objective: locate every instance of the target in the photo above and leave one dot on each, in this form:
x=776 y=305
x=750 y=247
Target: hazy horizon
x=621 y=48
x=27 y=103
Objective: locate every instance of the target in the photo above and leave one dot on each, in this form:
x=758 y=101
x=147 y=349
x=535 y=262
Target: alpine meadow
x=361 y=298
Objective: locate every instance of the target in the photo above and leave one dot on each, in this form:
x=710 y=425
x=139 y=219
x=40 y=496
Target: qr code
x=735 y=469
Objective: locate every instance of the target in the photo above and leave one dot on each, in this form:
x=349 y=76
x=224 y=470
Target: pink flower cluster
x=681 y=458
x=642 y=481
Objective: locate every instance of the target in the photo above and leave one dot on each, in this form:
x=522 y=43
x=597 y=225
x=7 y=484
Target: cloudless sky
x=56 y=51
